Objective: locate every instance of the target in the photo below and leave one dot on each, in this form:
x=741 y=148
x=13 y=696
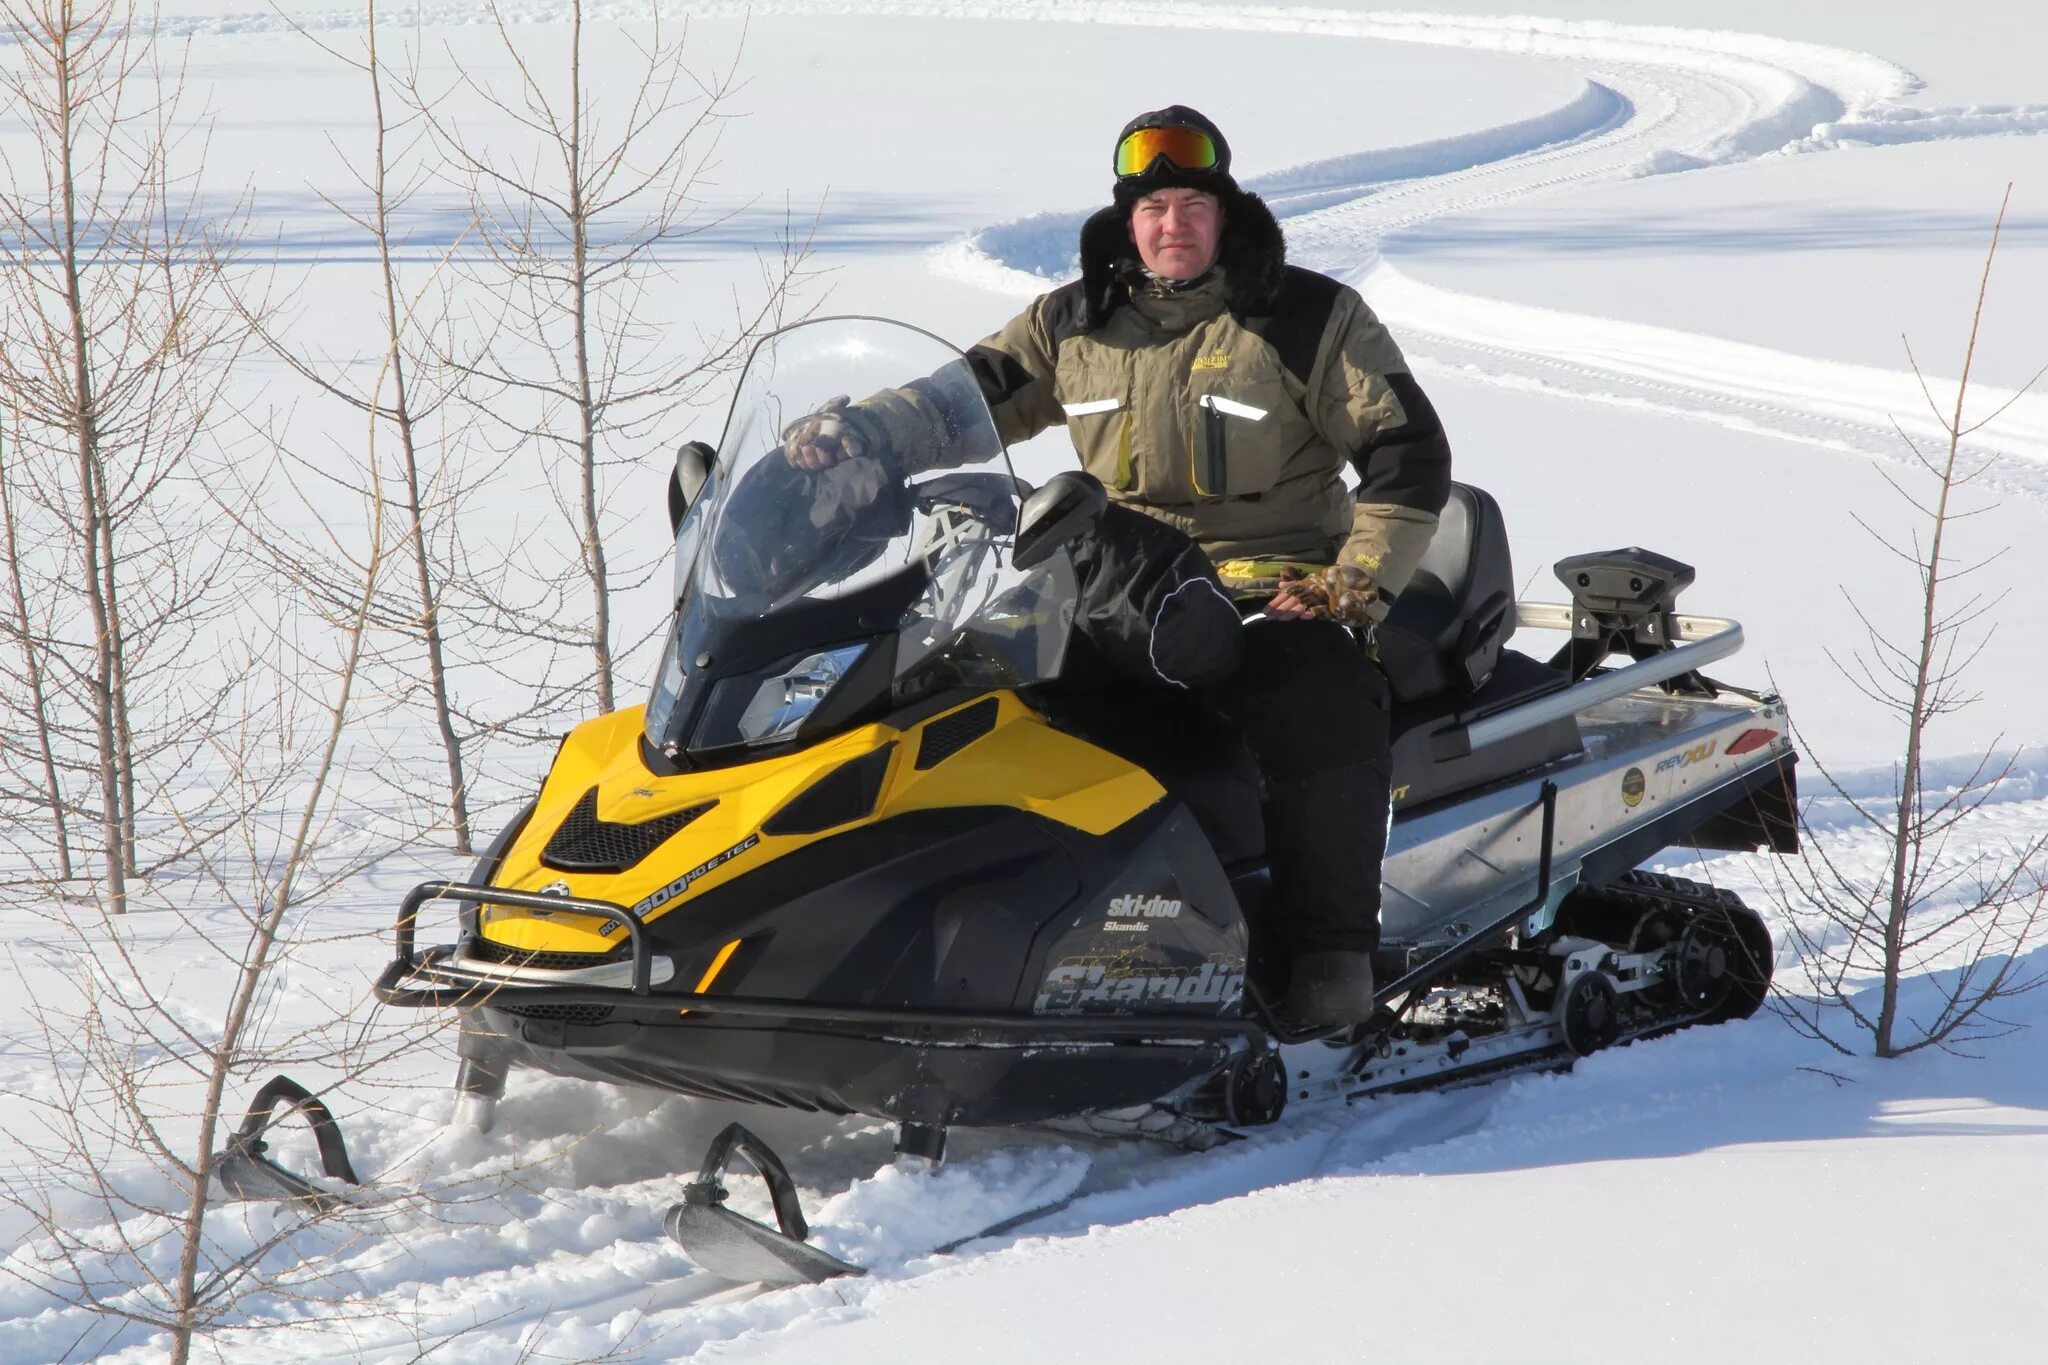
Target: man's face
x=1177 y=232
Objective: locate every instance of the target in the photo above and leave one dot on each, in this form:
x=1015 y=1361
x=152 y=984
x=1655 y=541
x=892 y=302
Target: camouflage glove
x=1342 y=593
x=825 y=437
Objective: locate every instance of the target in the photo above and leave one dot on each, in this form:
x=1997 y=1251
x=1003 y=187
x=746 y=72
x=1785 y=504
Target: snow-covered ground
x=1653 y=262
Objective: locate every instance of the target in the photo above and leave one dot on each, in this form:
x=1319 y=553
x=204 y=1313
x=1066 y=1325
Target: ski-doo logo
x=1075 y=988
x=1632 y=787
x=560 y=889
x=1685 y=758
x=683 y=883
x=1144 y=907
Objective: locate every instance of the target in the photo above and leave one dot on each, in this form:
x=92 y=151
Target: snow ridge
x=1026 y=254
x=1657 y=101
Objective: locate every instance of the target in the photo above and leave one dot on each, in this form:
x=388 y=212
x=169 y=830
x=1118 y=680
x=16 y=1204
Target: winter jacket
x=1229 y=408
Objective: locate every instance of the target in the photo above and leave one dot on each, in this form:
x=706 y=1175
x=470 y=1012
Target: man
x=1220 y=392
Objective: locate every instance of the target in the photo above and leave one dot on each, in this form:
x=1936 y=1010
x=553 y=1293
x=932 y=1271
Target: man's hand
x=1342 y=593
x=1284 y=604
x=822 y=438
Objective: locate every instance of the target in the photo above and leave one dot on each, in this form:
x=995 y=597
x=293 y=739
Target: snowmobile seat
x=1443 y=649
x=1421 y=776
x=1448 y=626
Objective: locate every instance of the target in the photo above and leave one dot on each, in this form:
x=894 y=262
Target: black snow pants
x=1305 y=696
x=1314 y=708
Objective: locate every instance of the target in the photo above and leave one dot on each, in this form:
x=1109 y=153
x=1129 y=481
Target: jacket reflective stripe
x=1229 y=407
x=1089 y=409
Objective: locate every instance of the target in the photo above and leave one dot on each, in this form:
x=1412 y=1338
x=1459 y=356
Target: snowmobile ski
x=244 y=1169
x=736 y=1247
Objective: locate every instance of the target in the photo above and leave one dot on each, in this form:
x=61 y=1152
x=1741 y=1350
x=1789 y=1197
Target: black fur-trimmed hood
x=1253 y=258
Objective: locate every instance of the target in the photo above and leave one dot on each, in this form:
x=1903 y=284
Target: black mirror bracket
x=1065 y=510
x=693 y=469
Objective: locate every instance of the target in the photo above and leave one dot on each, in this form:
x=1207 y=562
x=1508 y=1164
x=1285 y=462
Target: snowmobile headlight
x=760 y=710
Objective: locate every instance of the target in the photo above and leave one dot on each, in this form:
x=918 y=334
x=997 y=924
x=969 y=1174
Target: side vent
x=951 y=733
x=584 y=843
x=840 y=797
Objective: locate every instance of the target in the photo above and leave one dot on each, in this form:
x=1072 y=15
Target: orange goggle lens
x=1190 y=149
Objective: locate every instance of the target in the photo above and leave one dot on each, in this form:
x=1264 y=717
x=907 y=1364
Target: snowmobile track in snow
x=1681 y=99
x=1658 y=100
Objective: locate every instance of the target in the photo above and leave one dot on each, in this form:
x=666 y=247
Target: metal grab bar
x=1702 y=640
x=408 y=917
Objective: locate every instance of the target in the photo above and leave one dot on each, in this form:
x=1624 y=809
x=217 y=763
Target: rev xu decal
x=1685 y=758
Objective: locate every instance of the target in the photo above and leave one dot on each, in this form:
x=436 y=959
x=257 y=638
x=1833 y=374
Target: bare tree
x=29 y=628
x=1935 y=901
x=427 y=485
x=142 y=1072
x=117 y=344
x=574 y=236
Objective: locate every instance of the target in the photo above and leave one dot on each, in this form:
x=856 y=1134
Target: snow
x=1652 y=262
x=1654 y=1197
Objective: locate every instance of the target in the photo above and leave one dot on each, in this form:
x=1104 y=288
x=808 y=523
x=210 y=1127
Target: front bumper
x=609 y=1022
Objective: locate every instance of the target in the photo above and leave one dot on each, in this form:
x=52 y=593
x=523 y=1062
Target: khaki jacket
x=1187 y=414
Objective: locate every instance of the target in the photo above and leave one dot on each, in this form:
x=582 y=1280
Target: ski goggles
x=1189 y=149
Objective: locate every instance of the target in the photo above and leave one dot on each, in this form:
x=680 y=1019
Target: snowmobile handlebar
x=408 y=959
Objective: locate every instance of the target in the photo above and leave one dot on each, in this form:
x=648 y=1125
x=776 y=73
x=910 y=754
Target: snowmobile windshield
x=851 y=549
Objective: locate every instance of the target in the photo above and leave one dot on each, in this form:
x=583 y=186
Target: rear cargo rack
x=1701 y=641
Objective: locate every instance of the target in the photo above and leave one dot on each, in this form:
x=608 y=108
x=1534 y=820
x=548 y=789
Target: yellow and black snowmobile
x=858 y=853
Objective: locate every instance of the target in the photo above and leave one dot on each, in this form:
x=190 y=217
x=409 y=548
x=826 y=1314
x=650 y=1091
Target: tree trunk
x=586 y=402
x=423 y=569
x=1907 y=834
x=33 y=674
x=117 y=676
x=93 y=536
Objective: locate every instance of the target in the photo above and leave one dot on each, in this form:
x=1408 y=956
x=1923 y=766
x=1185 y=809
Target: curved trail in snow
x=1657 y=100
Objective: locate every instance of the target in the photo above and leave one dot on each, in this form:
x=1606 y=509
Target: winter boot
x=1330 y=988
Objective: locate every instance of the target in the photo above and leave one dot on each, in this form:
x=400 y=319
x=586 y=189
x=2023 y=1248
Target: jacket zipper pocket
x=1211 y=468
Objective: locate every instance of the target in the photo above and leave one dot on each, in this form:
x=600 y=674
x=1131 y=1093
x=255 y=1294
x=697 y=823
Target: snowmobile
x=858 y=853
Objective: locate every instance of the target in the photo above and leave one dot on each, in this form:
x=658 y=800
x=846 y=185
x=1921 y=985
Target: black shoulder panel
x=1066 y=312
x=1300 y=313
x=1409 y=465
x=997 y=373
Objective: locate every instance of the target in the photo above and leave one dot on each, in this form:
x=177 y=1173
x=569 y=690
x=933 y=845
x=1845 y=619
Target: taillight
x=1749 y=740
